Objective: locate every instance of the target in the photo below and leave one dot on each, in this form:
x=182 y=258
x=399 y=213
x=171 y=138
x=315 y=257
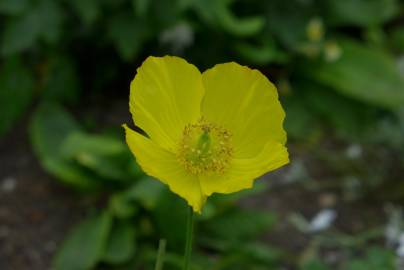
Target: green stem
x=188 y=244
x=160 y=255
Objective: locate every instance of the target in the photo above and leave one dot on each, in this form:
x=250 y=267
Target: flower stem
x=188 y=244
x=160 y=255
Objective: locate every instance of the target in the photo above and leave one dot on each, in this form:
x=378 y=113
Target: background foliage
x=338 y=65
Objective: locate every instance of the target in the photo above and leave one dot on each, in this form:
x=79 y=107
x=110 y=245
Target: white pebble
x=322 y=220
x=8 y=184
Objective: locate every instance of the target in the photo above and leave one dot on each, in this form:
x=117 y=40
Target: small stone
x=322 y=220
x=354 y=151
x=8 y=184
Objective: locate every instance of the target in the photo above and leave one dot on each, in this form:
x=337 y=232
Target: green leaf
x=145 y=192
x=96 y=144
x=254 y=256
x=376 y=258
x=127 y=35
x=121 y=243
x=287 y=21
x=13 y=7
x=107 y=156
x=16 y=90
x=170 y=215
x=51 y=17
x=50 y=126
x=231 y=199
x=361 y=12
x=87 y=10
x=362 y=73
x=219 y=13
x=261 y=55
x=121 y=206
x=85 y=244
x=350 y=118
x=314 y=265
x=397 y=39
x=300 y=123
x=141 y=7
x=20 y=33
x=238 y=225
x=43 y=21
x=62 y=81
x=260 y=252
x=242 y=27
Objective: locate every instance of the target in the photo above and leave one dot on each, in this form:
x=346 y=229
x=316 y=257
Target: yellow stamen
x=211 y=149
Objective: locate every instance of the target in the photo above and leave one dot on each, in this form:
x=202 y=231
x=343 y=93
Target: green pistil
x=204 y=143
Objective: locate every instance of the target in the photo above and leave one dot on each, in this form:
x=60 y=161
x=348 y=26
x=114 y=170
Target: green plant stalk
x=188 y=244
x=160 y=255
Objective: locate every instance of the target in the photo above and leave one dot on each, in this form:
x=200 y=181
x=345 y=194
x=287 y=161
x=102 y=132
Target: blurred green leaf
x=51 y=17
x=170 y=215
x=261 y=55
x=127 y=35
x=121 y=243
x=397 y=39
x=254 y=256
x=87 y=10
x=122 y=206
x=231 y=199
x=362 y=73
x=237 y=225
x=314 y=265
x=350 y=119
x=96 y=144
x=42 y=21
x=361 y=12
x=241 y=27
x=85 y=244
x=62 y=82
x=145 y=192
x=141 y=7
x=49 y=128
x=20 y=33
x=300 y=122
x=288 y=20
x=13 y=7
x=219 y=13
x=107 y=156
x=16 y=90
x=376 y=258
x=260 y=252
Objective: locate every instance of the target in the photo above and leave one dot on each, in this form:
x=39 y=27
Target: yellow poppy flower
x=210 y=132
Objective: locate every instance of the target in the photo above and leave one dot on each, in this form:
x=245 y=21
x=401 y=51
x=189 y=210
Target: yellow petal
x=165 y=95
x=246 y=102
x=163 y=165
x=243 y=171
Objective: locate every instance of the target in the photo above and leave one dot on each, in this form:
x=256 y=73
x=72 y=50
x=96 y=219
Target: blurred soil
x=35 y=210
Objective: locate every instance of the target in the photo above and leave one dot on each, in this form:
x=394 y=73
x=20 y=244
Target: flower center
x=205 y=148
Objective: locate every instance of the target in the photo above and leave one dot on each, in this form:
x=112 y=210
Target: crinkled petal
x=165 y=95
x=243 y=171
x=163 y=165
x=246 y=102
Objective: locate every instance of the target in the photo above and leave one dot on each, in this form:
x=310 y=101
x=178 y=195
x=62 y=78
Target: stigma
x=205 y=148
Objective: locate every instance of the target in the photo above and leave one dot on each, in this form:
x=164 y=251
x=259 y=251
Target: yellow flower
x=210 y=132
